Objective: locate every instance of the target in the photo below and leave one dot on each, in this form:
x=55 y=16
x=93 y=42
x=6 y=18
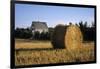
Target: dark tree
x=36 y=35
x=23 y=33
x=89 y=33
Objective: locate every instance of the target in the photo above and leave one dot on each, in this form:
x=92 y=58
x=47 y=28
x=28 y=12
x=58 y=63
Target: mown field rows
x=31 y=44
x=35 y=55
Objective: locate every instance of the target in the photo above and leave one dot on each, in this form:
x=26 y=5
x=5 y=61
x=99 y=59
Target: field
x=31 y=52
x=31 y=44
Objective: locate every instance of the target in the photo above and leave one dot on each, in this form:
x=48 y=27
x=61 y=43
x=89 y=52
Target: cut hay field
x=31 y=44
x=30 y=52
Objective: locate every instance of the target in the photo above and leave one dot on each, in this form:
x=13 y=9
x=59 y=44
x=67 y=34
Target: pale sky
x=53 y=15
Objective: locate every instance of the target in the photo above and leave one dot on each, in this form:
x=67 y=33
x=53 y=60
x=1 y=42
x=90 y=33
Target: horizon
x=52 y=15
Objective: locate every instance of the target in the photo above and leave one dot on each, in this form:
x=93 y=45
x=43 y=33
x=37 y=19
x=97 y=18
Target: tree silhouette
x=23 y=33
x=36 y=35
x=89 y=33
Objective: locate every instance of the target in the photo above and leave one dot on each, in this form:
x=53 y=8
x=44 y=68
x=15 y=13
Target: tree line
x=89 y=33
x=26 y=33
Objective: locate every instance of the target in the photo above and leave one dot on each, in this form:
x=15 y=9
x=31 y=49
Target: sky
x=52 y=15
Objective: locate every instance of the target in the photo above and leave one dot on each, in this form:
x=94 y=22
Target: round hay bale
x=69 y=37
x=73 y=38
x=57 y=39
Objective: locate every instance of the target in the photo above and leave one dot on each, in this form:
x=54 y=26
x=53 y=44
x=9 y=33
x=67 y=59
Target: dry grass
x=29 y=44
x=47 y=56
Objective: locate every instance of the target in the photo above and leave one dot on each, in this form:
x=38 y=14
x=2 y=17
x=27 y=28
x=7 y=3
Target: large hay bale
x=58 y=36
x=67 y=37
x=73 y=38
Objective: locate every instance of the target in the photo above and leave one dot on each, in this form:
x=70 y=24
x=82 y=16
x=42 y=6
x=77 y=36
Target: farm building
x=39 y=26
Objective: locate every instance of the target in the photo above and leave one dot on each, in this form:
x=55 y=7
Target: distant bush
x=23 y=33
x=41 y=36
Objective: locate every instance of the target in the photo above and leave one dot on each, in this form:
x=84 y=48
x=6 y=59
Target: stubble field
x=31 y=52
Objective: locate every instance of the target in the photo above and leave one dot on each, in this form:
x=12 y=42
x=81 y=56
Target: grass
x=29 y=44
x=41 y=52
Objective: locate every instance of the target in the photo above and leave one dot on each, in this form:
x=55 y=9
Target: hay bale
x=57 y=39
x=73 y=38
x=69 y=37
